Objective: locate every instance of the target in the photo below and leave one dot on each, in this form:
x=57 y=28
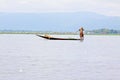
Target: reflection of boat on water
x=53 y=38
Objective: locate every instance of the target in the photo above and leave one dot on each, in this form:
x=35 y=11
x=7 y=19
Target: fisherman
x=81 y=33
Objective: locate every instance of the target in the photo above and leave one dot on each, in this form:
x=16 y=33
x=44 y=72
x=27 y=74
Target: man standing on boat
x=81 y=33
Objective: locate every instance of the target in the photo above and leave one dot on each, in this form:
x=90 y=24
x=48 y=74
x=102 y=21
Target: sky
x=105 y=7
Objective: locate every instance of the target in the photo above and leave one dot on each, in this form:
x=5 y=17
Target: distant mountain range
x=57 y=21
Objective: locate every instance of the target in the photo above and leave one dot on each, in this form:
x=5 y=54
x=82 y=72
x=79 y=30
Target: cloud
x=23 y=2
x=107 y=7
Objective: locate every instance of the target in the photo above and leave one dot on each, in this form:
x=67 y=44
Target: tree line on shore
x=88 y=32
x=103 y=31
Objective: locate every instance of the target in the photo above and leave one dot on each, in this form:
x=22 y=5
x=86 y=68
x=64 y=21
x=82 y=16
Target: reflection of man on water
x=81 y=33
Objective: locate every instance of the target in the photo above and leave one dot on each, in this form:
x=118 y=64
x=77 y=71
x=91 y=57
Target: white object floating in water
x=20 y=70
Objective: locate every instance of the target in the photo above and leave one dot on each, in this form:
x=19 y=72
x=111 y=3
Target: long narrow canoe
x=53 y=38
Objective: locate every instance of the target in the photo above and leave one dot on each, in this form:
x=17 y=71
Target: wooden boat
x=53 y=38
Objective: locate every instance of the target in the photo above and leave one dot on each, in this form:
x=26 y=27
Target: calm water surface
x=29 y=57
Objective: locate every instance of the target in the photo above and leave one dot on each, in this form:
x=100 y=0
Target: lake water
x=29 y=57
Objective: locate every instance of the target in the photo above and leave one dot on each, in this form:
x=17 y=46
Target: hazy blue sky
x=106 y=7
